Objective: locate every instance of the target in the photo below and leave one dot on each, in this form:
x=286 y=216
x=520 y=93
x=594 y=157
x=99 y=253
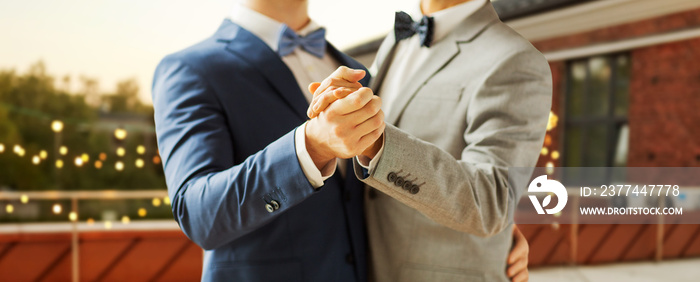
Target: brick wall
x=664 y=119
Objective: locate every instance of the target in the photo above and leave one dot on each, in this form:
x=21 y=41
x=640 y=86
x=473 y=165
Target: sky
x=112 y=40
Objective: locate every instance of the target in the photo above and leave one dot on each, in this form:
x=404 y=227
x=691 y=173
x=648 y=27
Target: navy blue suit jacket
x=225 y=111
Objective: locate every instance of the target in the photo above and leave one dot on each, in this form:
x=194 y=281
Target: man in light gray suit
x=468 y=98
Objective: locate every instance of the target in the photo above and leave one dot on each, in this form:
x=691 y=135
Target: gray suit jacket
x=479 y=106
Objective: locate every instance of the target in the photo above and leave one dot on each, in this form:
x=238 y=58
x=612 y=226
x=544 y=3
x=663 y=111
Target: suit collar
x=258 y=54
x=443 y=52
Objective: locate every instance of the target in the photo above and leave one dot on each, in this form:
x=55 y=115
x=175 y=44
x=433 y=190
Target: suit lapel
x=385 y=56
x=254 y=51
x=442 y=53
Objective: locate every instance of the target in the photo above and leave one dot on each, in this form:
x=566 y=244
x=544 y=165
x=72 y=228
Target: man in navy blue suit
x=266 y=193
x=253 y=184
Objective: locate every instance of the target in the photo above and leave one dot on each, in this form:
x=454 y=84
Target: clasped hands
x=346 y=118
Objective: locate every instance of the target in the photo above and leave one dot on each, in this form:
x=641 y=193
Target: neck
x=293 y=13
x=431 y=6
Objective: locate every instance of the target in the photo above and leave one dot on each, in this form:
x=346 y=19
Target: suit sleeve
x=213 y=200
x=506 y=121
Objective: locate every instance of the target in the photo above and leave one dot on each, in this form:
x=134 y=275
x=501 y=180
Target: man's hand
x=346 y=128
x=517 y=259
x=338 y=85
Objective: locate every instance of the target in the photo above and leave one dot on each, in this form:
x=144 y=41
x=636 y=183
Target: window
x=596 y=131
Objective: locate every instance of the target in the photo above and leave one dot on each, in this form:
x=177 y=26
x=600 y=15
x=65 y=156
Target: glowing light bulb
x=142 y=212
x=156 y=202
x=43 y=154
x=24 y=199
x=56 y=126
x=73 y=216
x=120 y=133
x=141 y=150
x=549 y=167
x=119 y=166
x=59 y=164
x=125 y=220
x=36 y=160
x=544 y=151
x=98 y=164
x=121 y=151
x=85 y=157
x=78 y=162
x=63 y=150
x=57 y=209
x=9 y=208
x=555 y=155
x=139 y=163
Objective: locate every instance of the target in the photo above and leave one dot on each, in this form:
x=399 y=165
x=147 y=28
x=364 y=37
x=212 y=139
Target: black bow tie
x=404 y=27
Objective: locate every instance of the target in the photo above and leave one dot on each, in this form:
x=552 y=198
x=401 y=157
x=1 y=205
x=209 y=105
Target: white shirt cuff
x=368 y=163
x=315 y=177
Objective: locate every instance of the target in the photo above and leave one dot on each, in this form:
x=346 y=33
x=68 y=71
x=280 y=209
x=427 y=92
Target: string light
x=141 y=150
x=555 y=155
x=552 y=122
x=139 y=163
x=57 y=126
x=156 y=160
x=103 y=156
x=544 y=151
x=57 y=209
x=98 y=164
x=85 y=157
x=142 y=212
x=63 y=150
x=120 y=133
x=156 y=202
x=121 y=151
x=19 y=150
x=547 y=140
x=78 y=161
x=166 y=200
x=119 y=166
x=549 y=167
x=2 y=148
x=43 y=154
x=9 y=208
x=125 y=220
x=108 y=225
x=24 y=199
x=36 y=160
x=73 y=216
x=59 y=164
x=90 y=221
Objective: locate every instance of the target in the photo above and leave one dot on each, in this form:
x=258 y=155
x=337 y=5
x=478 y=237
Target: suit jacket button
x=414 y=189
x=407 y=185
x=269 y=208
x=399 y=181
x=275 y=204
x=391 y=177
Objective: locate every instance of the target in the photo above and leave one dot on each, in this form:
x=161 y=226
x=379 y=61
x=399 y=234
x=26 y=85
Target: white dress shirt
x=306 y=68
x=409 y=55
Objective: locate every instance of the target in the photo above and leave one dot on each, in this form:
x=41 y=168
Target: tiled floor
x=673 y=270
